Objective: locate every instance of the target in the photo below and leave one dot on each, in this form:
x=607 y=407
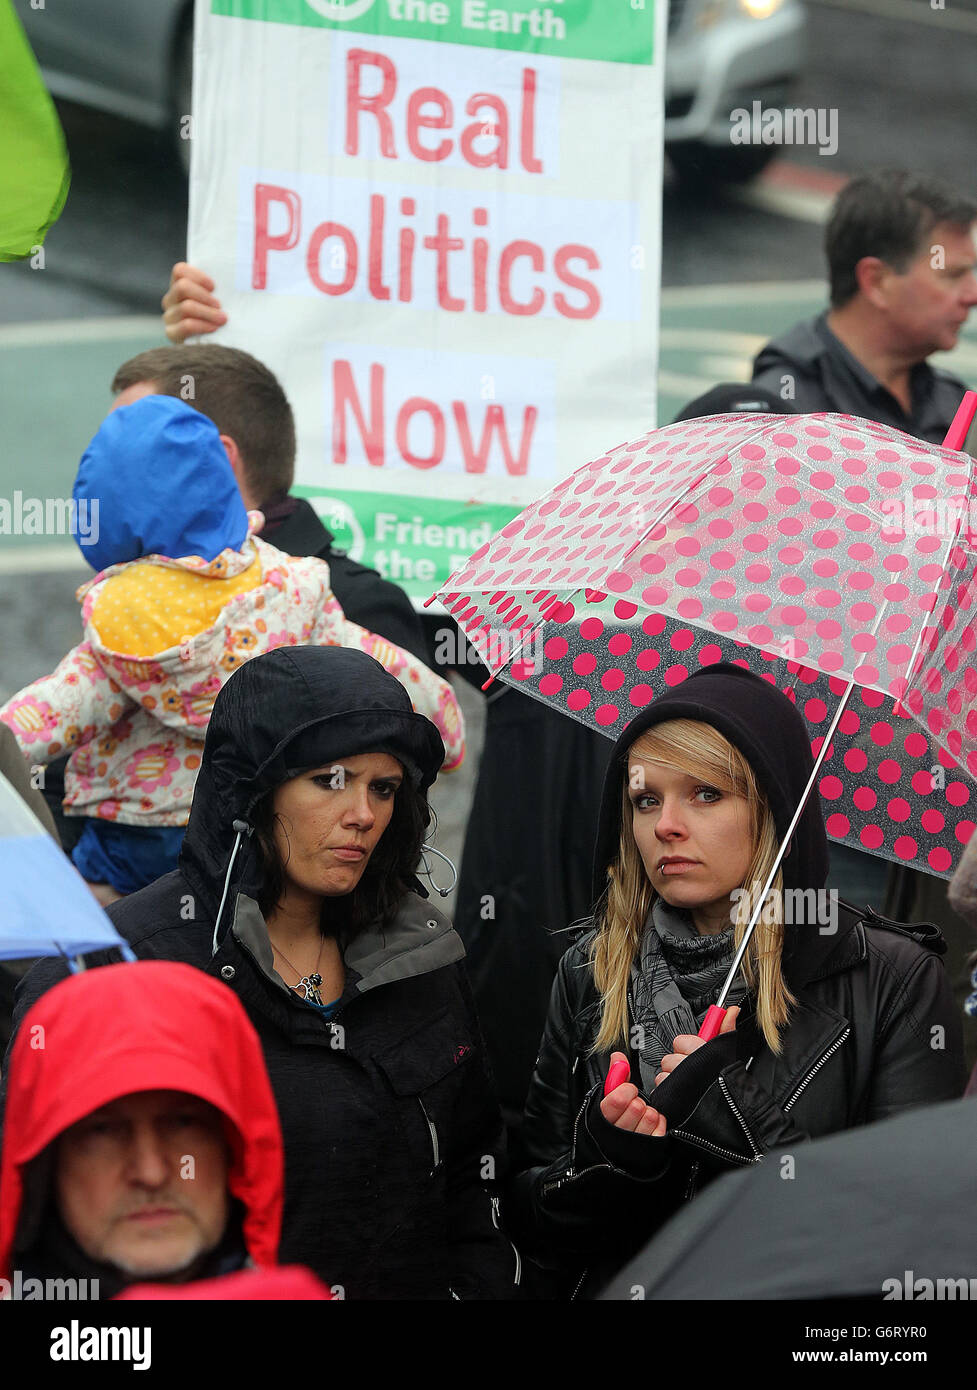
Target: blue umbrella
x=45 y=907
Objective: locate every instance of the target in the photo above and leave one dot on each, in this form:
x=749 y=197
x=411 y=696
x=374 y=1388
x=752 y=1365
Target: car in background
x=131 y=58
x=134 y=58
x=724 y=55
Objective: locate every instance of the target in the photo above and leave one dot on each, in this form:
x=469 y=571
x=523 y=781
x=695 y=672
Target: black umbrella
x=885 y=1210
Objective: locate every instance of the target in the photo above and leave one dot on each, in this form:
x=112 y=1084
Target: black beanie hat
x=759 y=720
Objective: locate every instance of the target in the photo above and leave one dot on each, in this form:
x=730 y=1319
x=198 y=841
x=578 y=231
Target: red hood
x=286 y=1284
x=144 y=1026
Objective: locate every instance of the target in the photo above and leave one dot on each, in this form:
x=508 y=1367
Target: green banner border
x=398 y=555
x=609 y=31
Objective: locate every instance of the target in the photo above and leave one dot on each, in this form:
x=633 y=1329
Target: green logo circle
x=341 y=520
x=341 y=11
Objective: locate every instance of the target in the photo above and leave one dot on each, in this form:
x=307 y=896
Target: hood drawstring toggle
x=242 y=828
x=427 y=849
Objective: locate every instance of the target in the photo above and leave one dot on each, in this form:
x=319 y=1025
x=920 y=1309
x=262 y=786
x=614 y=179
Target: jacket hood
x=761 y=722
x=280 y=714
x=161 y=481
x=146 y=1026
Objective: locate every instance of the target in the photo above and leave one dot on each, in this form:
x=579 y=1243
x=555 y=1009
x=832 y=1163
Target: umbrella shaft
x=758 y=906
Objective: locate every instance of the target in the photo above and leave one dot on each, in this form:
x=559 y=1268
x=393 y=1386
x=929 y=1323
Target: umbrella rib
x=515 y=655
x=648 y=529
x=670 y=508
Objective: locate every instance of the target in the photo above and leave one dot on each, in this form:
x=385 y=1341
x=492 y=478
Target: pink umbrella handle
x=617 y=1074
x=712 y=1022
x=957 y=433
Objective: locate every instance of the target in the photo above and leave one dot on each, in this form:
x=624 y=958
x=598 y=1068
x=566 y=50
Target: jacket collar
x=849 y=947
x=848 y=950
x=418 y=941
x=811 y=953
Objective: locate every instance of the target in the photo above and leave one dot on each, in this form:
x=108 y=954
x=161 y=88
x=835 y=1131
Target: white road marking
x=727 y=368
x=800 y=205
x=684 y=385
x=765 y=292
x=706 y=339
x=69 y=331
x=41 y=559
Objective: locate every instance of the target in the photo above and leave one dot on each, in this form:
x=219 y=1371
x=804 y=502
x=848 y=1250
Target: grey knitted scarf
x=676 y=975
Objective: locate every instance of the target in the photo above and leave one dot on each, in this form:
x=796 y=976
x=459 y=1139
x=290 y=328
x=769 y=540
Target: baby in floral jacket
x=185 y=592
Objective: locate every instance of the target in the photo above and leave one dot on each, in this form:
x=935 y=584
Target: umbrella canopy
x=818 y=550
x=835 y=1218
x=46 y=908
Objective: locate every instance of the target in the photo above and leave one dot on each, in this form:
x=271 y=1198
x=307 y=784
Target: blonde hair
x=697 y=749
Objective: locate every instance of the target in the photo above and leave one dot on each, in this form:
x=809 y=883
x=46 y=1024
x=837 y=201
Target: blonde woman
x=839 y=1017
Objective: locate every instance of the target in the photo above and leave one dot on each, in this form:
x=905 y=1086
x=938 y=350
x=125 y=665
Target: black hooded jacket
x=873 y=1031
x=391 y=1130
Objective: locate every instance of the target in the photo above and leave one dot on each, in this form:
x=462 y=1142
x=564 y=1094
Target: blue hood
x=163 y=486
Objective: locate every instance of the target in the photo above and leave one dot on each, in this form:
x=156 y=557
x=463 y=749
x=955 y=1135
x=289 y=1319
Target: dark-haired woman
x=296 y=887
x=838 y=1017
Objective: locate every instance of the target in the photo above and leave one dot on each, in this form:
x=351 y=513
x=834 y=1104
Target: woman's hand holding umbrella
x=624 y=1108
x=685 y=1043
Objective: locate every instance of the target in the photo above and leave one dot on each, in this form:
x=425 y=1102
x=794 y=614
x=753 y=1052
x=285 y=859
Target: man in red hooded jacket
x=141 y=1139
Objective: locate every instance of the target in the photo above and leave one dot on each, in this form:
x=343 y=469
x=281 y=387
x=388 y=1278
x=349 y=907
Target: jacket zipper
x=732 y=1105
x=693 y=1179
x=816 y=1068
x=436 y=1148
x=555 y=1183
x=497 y=1223
x=757 y=1155
x=696 y=1142
x=579 y=1285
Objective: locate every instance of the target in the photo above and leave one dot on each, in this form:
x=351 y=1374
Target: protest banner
x=438 y=222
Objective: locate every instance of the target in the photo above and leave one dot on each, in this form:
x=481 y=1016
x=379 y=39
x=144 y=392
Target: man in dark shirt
x=901 y=266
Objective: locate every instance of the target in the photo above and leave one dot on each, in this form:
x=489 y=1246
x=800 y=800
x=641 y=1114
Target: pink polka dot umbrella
x=833 y=556
x=829 y=554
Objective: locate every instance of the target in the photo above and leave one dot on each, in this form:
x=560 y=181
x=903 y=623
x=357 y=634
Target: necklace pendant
x=311 y=984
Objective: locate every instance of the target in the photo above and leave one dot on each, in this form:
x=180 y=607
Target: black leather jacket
x=874 y=1031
